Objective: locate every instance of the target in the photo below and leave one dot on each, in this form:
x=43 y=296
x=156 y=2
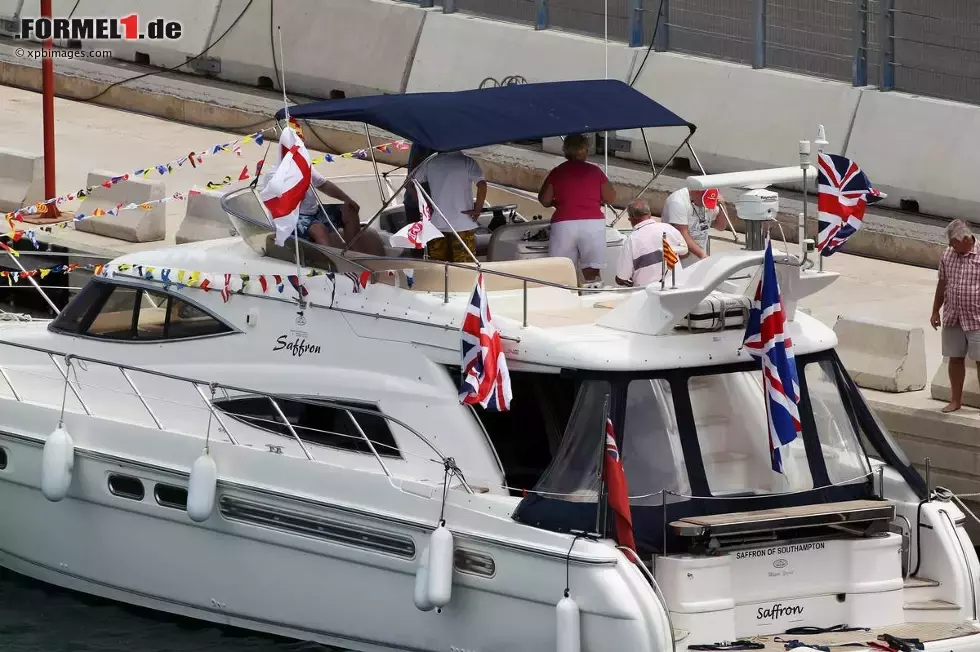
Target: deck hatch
x=348 y=534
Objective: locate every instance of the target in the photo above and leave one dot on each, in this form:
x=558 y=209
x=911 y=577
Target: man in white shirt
x=641 y=261
x=693 y=213
x=451 y=177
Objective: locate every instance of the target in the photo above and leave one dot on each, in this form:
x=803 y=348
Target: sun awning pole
x=439 y=210
x=724 y=210
x=374 y=162
x=605 y=52
x=384 y=205
x=656 y=175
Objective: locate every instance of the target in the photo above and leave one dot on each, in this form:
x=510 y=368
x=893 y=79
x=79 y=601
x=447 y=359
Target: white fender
x=569 y=636
x=422 y=583
x=201 y=488
x=440 y=566
x=57 y=463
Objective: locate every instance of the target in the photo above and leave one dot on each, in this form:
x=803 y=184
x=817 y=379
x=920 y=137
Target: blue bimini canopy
x=447 y=122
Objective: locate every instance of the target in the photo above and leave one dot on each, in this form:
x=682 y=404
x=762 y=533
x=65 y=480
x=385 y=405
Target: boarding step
x=919 y=582
x=930 y=605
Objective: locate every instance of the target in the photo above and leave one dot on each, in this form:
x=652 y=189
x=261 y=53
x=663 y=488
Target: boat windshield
x=703 y=432
x=696 y=442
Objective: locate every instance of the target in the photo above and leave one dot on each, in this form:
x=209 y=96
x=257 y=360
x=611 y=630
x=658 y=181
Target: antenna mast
x=285 y=103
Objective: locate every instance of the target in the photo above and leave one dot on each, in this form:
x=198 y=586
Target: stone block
x=132 y=225
x=21 y=179
x=882 y=356
x=204 y=218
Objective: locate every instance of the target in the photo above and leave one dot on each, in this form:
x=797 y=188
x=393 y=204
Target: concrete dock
x=92 y=137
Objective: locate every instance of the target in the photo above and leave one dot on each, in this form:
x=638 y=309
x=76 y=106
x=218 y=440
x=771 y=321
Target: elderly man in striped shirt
x=641 y=260
x=958 y=294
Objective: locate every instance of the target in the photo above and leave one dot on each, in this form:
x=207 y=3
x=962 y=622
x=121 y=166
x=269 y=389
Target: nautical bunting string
x=17 y=234
x=226 y=284
x=194 y=159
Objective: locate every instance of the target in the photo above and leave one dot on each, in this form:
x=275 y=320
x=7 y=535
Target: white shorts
x=958 y=343
x=581 y=241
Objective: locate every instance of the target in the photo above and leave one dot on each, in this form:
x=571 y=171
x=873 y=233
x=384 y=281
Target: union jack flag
x=766 y=339
x=617 y=491
x=844 y=192
x=485 y=379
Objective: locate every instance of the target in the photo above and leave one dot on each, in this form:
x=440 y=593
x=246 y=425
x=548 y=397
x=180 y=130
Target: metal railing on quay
x=932 y=48
x=924 y=47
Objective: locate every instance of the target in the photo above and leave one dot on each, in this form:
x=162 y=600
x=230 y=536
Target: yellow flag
x=180 y=276
x=45 y=272
x=193 y=279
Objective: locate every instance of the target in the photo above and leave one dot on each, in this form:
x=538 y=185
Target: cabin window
x=527 y=436
x=836 y=429
x=3 y=458
x=317 y=423
x=731 y=422
x=128 y=313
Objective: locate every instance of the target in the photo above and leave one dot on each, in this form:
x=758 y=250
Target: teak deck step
x=931 y=605
x=919 y=582
x=781 y=518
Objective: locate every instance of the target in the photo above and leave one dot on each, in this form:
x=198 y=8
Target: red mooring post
x=47 y=95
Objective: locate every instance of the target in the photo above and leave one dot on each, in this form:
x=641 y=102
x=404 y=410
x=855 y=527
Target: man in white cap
x=693 y=213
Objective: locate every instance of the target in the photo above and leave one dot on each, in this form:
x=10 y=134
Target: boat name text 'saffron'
x=298 y=346
x=777 y=611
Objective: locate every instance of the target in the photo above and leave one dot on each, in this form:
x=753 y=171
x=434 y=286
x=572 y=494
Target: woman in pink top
x=578 y=189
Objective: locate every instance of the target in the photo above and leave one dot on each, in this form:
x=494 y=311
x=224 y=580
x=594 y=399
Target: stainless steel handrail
x=146 y=406
x=966 y=561
x=368 y=441
x=64 y=374
x=656 y=589
x=196 y=383
x=289 y=426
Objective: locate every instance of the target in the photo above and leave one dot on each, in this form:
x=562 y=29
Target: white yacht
x=245 y=455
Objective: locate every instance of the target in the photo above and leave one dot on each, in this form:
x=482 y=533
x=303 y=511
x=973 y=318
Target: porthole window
x=126 y=486
x=3 y=458
x=170 y=496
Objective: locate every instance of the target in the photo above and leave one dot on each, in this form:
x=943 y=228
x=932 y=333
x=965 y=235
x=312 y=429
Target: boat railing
x=256 y=231
x=63 y=362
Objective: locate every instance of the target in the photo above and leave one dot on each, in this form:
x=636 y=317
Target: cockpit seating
x=432 y=278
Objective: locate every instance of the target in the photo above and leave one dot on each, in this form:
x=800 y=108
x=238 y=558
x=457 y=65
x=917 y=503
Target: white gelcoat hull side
x=239 y=574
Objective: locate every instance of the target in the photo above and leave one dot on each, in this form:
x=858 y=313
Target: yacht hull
x=301 y=586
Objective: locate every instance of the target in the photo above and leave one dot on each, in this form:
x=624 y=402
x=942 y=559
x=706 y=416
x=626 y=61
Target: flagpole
x=600 y=503
x=285 y=103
